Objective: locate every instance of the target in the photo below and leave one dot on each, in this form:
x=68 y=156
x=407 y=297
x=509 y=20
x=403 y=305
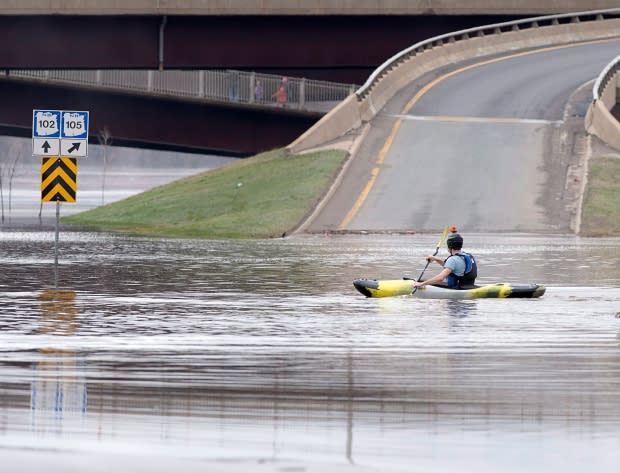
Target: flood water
x=155 y=355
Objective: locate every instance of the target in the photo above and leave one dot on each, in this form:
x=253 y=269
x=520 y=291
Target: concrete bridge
x=319 y=41
x=495 y=114
x=288 y=7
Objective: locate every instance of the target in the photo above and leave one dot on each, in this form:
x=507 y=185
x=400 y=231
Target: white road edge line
x=459 y=119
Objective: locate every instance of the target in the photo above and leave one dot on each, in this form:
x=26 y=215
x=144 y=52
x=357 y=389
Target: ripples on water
x=260 y=355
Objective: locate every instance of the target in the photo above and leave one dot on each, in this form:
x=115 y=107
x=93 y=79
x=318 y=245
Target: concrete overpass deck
x=330 y=40
x=288 y=7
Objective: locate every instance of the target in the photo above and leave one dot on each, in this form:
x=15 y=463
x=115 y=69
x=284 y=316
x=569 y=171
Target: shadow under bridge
x=223 y=112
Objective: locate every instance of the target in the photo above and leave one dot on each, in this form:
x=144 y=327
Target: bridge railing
x=604 y=78
x=448 y=49
x=226 y=86
x=532 y=24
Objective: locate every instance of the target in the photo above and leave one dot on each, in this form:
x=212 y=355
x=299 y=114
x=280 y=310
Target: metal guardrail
x=461 y=35
x=604 y=77
x=227 y=86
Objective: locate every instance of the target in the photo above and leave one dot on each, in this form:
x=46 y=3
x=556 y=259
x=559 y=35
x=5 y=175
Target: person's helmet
x=454 y=241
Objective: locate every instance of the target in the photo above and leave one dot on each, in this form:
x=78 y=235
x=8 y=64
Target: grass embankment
x=600 y=215
x=259 y=197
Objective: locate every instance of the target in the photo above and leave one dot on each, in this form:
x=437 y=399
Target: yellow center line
x=390 y=139
x=388 y=143
x=373 y=176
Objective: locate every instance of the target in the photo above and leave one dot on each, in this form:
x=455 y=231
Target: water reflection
x=242 y=355
x=58 y=391
x=460 y=309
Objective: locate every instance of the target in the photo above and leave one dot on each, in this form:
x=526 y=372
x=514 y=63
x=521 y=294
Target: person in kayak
x=459 y=269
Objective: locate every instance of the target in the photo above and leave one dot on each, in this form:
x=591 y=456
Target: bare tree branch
x=105 y=140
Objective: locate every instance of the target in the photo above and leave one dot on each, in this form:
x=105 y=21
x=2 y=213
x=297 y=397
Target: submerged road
x=484 y=146
x=172 y=355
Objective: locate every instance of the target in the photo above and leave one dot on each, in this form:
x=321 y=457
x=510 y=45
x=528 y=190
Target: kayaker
x=459 y=269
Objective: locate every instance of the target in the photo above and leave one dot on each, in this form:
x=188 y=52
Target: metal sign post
x=59 y=136
x=56 y=234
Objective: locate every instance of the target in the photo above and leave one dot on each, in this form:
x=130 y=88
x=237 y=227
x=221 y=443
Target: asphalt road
x=486 y=147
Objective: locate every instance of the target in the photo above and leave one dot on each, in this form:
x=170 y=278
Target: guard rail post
x=302 y=93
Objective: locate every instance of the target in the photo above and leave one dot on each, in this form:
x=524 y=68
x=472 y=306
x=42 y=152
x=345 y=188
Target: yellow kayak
x=404 y=287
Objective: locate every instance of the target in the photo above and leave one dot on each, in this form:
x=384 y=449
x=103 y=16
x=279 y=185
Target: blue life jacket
x=468 y=278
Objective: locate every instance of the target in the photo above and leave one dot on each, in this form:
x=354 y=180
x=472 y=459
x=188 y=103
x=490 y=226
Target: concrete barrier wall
x=436 y=53
x=609 y=94
x=300 y=7
x=599 y=120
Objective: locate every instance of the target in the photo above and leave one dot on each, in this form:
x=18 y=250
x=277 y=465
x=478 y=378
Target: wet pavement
x=161 y=354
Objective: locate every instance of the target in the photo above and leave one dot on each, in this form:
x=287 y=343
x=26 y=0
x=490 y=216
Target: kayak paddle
x=440 y=243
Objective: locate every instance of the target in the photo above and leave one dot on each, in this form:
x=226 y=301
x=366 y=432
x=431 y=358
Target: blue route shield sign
x=46 y=124
x=74 y=125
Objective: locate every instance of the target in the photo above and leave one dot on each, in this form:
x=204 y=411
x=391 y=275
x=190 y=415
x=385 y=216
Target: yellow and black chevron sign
x=58 y=179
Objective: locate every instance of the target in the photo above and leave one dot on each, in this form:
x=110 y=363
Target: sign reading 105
x=74 y=124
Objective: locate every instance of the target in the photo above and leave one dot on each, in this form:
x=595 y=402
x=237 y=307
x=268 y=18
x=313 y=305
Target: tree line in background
x=12 y=152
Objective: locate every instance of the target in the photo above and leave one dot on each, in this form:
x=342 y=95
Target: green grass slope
x=600 y=215
x=259 y=197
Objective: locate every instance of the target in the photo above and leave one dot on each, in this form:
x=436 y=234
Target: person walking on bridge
x=459 y=269
x=281 y=95
x=259 y=92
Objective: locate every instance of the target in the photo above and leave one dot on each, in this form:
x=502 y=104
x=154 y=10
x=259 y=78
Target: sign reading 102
x=46 y=124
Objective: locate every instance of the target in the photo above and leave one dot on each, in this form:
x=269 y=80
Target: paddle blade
x=444 y=235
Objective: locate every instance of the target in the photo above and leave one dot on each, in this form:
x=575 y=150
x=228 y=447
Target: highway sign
x=58 y=179
x=60 y=132
x=45 y=146
x=74 y=125
x=45 y=132
x=46 y=124
x=74 y=147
